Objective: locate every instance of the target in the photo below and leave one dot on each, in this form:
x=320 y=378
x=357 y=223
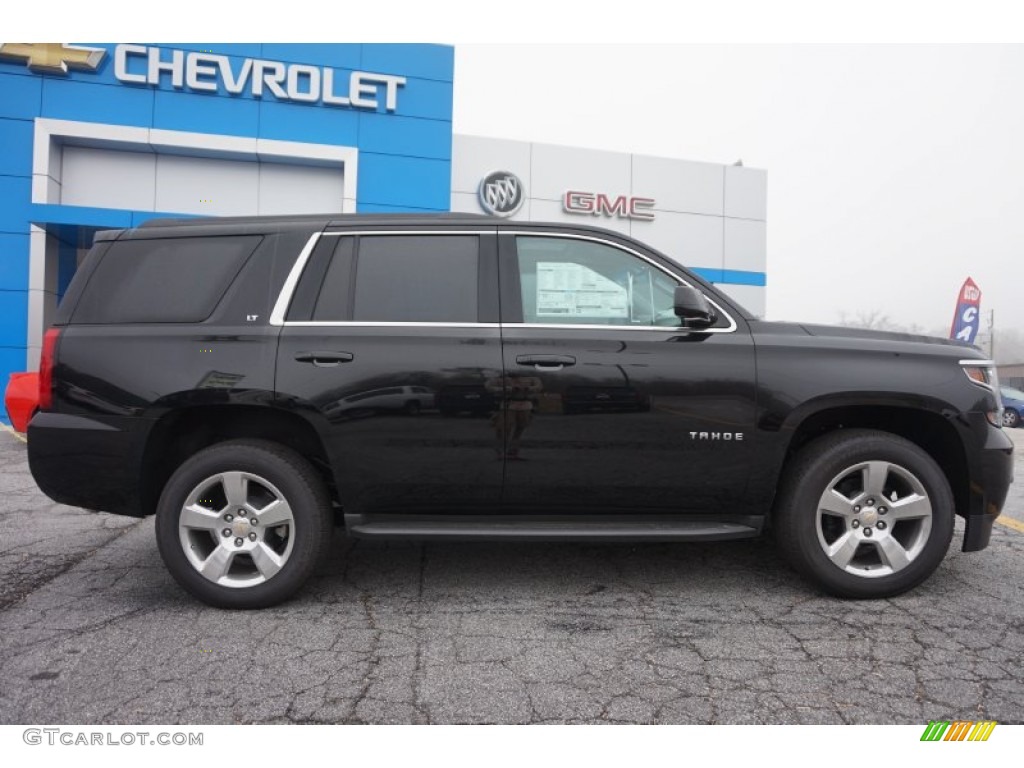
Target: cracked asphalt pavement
x=93 y=630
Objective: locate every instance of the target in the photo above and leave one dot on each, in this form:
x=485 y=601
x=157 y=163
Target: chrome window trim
x=675 y=330
x=383 y=324
x=284 y=298
x=611 y=243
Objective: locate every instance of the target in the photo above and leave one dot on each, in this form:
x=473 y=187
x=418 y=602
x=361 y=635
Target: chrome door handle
x=325 y=359
x=547 y=362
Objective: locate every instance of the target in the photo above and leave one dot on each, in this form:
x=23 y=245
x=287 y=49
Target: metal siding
x=404 y=182
x=13 y=264
x=14 y=310
x=89 y=102
x=433 y=62
x=20 y=95
x=15 y=133
x=297 y=122
x=206 y=113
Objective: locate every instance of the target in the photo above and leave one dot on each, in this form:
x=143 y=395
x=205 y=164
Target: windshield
x=1013 y=394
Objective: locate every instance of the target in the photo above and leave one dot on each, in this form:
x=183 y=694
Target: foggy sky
x=894 y=172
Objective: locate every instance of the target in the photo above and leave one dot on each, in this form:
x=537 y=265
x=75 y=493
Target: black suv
x=452 y=376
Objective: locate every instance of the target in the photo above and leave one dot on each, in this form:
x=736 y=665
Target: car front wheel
x=242 y=524
x=865 y=514
x=1011 y=418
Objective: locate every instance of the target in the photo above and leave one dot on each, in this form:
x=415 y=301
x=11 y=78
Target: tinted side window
x=416 y=278
x=335 y=292
x=173 y=280
x=580 y=282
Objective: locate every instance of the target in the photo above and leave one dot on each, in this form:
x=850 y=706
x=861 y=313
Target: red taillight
x=46 y=369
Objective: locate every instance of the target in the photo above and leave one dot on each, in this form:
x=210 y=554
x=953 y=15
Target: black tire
x=810 y=473
x=300 y=486
x=1011 y=418
x=412 y=408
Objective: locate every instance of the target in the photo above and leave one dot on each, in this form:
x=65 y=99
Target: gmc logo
x=601 y=205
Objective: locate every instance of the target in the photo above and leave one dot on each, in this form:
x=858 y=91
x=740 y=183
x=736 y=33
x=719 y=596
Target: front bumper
x=991 y=476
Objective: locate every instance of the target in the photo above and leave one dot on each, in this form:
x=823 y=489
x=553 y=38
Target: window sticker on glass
x=568 y=289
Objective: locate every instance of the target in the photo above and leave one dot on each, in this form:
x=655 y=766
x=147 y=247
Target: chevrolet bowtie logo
x=53 y=58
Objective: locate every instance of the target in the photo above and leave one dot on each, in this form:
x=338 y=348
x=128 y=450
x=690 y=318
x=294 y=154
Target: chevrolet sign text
x=196 y=71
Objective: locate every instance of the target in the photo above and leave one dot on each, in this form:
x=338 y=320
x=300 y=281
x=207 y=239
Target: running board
x=549 y=528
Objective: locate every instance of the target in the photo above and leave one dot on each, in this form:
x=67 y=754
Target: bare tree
x=875 y=320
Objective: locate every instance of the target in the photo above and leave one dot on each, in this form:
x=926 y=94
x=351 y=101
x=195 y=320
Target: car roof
x=196 y=225
x=313 y=219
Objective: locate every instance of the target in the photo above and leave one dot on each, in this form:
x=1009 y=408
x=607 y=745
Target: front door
x=391 y=346
x=608 y=404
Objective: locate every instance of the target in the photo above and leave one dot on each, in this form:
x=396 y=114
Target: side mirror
x=692 y=307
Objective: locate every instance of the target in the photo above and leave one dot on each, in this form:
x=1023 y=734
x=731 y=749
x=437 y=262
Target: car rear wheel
x=865 y=514
x=242 y=524
x=1011 y=418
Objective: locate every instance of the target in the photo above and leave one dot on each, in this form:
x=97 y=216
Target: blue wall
x=404 y=156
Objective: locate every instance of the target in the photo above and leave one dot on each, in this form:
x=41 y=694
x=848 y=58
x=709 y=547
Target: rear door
x=387 y=334
x=609 y=404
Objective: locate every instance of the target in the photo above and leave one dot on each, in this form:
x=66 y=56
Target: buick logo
x=501 y=193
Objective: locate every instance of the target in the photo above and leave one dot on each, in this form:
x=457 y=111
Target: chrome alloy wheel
x=874 y=519
x=236 y=529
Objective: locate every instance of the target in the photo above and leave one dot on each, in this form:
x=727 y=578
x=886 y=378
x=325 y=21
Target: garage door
x=177 y=183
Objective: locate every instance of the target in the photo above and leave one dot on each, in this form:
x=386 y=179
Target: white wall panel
x=551 y=210
x=746 y=192
x=473 y=157
x=465 y=202
x=555 y=169
x=204 y=185
x=288 y=189
x=745 y=245
x=679 y=185
x=469 y=202
x=108 y=178
x=750 y=297
x=691 y=240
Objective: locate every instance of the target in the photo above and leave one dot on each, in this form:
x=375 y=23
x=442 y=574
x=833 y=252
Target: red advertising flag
x=967 y=317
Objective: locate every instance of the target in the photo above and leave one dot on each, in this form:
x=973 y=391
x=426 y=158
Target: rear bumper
x=991 y=478
x=87 y=463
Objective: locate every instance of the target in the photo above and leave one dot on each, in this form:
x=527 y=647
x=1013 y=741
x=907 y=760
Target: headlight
x=983 y=373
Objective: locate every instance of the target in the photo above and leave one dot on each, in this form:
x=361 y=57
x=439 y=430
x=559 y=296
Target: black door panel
x=644 y=419
x=398 y=366
x=393 y=442
x=607 y=407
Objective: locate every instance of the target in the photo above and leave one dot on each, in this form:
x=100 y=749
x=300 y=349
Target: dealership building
x=106 y=136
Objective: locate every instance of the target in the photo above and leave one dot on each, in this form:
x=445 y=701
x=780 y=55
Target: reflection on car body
x=407 y=399
x=581 y=399
x=473 y=399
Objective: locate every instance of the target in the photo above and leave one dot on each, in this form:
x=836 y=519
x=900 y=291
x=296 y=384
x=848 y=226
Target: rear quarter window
x=170 y=280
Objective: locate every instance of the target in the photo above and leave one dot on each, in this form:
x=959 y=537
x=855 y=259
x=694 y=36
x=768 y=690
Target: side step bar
x=608 y=528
